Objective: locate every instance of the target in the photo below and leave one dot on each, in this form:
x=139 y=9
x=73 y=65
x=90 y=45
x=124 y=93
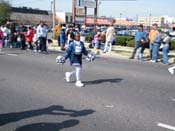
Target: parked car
x=121 y=31
x=86 y=32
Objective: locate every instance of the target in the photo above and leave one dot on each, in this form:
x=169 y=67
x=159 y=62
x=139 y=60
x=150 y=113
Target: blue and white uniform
x=74 y=52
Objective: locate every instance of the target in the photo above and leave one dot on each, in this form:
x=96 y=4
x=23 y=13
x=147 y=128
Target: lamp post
x=120 y=18
x=99 y=3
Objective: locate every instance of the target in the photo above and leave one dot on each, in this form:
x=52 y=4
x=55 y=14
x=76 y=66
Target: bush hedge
x=172 y=47
x=131 y=43
x=124 y=40
x=88 y=38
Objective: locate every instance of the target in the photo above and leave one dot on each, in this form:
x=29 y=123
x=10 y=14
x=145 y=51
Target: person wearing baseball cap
x=156 y=45
x=155 y=24
x=152 y=35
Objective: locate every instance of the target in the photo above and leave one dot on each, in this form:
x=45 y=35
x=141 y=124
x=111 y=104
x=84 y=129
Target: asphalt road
x=119 y=95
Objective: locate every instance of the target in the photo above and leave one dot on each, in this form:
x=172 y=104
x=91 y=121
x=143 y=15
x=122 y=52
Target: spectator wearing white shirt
x=42 y=35
x=6 y=32
x=109 y=37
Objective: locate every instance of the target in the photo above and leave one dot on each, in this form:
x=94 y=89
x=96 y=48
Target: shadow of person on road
x=52 y=110
x=100 y=81
x=48 y=126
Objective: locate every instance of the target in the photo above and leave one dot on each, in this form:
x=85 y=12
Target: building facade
x=28 y=16
x=64 y=17
x=148 y=21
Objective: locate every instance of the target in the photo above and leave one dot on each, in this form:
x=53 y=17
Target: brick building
x=29 y=16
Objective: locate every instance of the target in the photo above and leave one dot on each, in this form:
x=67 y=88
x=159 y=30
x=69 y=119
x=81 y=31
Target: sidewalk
x=117 y=52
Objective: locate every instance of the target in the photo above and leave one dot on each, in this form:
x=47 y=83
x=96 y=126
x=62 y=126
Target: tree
x=4 y=11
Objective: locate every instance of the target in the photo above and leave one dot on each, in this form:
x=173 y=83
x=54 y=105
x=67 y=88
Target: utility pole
x=150 y=20
x=53 y=16
x=95 y=16
x=53 y=13
x=73 y=11
x=98 y=8
x=85 y=8
x=120 y=19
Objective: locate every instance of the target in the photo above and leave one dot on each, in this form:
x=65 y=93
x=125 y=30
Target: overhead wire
x=26 y=2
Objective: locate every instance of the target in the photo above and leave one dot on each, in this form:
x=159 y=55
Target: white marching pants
x=76 y=71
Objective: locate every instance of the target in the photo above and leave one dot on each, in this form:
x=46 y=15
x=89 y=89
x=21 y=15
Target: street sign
x=80 y=11
x=87 y=3
x=79 y=20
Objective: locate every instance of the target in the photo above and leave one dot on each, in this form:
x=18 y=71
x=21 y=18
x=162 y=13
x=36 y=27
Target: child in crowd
x=97 y=42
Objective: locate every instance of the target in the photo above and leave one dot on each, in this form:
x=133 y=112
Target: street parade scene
x=87 y=65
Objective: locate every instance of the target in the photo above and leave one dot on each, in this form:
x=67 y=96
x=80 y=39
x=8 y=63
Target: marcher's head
x=77 y=36
x=154 y=26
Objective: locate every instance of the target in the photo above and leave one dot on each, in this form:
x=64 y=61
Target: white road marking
x=8 y=54
x=173 y=99
x=12 y=54
x=2 y=52
x=166 y=126
x=109 y=106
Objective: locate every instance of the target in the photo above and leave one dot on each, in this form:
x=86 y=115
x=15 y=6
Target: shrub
x=131 y=43
x=172 y=47
x=88 y=38
x=123 y=40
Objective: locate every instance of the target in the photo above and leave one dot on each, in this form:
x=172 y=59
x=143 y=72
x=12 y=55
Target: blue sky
x=110 y=8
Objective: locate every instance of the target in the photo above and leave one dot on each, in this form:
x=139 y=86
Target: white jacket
x=110 y=33
x=42 y=31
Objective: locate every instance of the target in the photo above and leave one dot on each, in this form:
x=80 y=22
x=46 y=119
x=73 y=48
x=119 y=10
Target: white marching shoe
x=67 y=74
x=79 y=84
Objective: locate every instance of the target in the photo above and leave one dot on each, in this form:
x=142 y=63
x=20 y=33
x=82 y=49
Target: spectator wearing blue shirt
x=62 y=38
x=140 y=40
x=165 y=47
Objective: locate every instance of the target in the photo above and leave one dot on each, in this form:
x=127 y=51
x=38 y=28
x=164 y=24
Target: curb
x=117 y=51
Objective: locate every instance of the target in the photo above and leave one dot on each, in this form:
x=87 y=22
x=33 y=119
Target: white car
x=172 y=33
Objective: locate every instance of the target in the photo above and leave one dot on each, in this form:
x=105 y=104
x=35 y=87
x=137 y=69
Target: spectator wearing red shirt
x=29 y=37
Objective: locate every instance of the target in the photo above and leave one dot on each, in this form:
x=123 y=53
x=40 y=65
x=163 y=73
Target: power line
x=27 y=2
x=117 y=0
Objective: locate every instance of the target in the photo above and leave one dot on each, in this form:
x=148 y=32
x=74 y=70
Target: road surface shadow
x=52 y=110
x=48 y=126
x=100 y=81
